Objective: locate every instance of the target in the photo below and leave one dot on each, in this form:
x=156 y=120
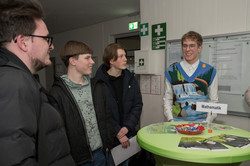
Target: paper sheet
x=121 y=154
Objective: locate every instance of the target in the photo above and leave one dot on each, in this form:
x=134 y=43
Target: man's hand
x=122 y=132
x=124 y=141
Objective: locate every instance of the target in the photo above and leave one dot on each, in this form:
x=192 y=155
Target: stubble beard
x=39 y=65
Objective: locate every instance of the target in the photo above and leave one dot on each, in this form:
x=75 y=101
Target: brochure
x=121 y=154
x=232 y=140
x=198 y=143
x=214 y=143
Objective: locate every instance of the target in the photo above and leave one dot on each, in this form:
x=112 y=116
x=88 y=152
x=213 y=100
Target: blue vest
x=189 y=90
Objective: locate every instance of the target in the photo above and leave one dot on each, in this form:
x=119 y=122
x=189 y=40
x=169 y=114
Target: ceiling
x=64 y=15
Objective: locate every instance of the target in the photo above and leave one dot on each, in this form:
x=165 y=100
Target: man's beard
x=38 y=65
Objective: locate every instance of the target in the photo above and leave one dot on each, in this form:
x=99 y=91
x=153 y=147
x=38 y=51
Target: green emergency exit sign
x=133 y=25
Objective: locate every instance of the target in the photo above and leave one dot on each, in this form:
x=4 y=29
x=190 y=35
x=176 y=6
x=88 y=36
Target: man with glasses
x=188 y=82
x=31 y=129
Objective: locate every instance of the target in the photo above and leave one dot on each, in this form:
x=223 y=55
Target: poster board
x=230 y=55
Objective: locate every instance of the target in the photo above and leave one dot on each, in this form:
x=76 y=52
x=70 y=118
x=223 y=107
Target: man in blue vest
x=188 y=82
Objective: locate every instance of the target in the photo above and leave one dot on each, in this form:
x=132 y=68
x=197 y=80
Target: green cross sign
x=141 y=62
x=144 y=29
x=158 y=36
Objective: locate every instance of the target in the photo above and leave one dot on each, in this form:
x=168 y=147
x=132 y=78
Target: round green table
x=159 y=140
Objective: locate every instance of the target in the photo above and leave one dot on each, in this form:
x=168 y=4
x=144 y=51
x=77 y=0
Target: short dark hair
x=194 y=36
x=17 y=17
x=73 y=49
x=110 y=53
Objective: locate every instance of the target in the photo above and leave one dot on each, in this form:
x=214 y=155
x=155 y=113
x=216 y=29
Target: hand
x=122 y=132
x=211 y=117
x=125 y=142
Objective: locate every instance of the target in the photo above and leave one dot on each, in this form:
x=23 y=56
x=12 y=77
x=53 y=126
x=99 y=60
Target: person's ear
x=111 y=61
x=200 y=49
x=22 y=42
x=72 y=61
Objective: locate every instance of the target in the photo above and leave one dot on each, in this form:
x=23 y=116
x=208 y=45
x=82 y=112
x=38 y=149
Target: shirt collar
x=191 y=66
x=75 y=85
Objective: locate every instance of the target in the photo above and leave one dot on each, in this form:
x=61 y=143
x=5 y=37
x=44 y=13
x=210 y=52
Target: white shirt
x=189 y=70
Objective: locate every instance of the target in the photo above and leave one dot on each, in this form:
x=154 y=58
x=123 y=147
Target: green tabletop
x=166 y=144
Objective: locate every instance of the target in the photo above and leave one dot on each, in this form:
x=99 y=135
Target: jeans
x=99 y=159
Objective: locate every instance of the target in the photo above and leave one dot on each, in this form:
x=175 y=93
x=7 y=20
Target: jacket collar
x=10 y=59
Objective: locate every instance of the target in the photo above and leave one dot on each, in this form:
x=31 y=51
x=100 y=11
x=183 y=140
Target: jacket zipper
x=79 y=111
x=104 y=146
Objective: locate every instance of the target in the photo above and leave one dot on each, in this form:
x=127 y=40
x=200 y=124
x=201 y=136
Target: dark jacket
x=132 y=100
x=74 y=122
x=31 y=130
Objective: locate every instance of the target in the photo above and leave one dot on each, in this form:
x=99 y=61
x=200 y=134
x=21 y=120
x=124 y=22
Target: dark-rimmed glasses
x=48 y=38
